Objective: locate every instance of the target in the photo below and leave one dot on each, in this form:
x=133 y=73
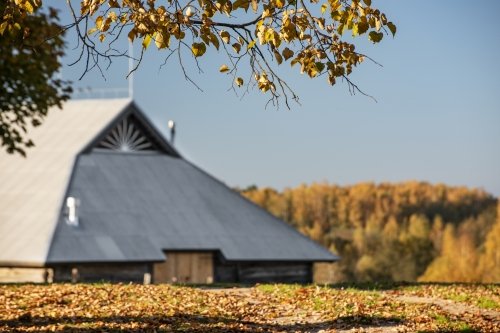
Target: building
x=104 y=196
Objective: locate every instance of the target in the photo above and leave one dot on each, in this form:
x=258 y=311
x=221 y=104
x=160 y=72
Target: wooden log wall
x=112 y=272
x=263 y=272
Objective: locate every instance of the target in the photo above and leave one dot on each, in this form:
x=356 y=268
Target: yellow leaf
x=198 y=49
x=287 y=53
x=336 y=15
x=106 y=24
x=113 y=16
x=189 y=11
x=251 y=44
x=392 y=28
x=320 y=22
x=341 y=29
x=269 y=35
x=162 y=41
x=131 y=35
x=214 y=40
x=241 y=4
x=359 y=28
x=363 y=27
x=255 y=6
x=238 y=81
x=205 y=37
x=223 y=69
x=320 y=66
x=158 y=40
x=227 y=8
x=375 y=37
x=267 y=13
x=28 y=7
x=324 y=7
x=3 y=26
x=236 y=47
x=261 y=30
x=224 y=35
x=383 y=18
x=279 y=58
x=99 y=22
x=331 y=80
x=92 y=31
x=335 y=5
x=146 y=41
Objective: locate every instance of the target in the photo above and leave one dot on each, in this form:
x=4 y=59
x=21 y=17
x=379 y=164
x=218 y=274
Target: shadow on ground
x=379 y=285
x=395 y=285
x=183 y=323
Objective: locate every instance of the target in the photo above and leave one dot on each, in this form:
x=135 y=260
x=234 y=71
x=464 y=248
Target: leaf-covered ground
x=263 y=308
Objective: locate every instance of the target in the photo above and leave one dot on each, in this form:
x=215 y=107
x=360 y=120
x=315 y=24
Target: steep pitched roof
x=32 y=188
x=138 y=197
x=139 y=204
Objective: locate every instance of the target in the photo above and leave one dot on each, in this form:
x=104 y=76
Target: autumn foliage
x=255 y=36
x=398 y=232
x=264 y=308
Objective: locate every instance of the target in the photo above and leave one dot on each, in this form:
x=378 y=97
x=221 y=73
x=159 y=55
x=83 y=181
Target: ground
x=261 y=308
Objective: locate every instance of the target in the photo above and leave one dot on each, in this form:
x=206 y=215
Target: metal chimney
x=171 y=125
x=72 y=204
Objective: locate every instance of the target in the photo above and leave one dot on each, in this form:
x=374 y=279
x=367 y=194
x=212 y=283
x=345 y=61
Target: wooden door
x=185 y=267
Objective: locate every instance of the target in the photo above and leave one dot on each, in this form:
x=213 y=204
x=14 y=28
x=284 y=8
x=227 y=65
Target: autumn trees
x=489 y=261
x=397 y=232
x=470 y=251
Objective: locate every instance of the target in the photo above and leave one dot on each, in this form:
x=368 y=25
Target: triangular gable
x=128 y=136
x=131 y=132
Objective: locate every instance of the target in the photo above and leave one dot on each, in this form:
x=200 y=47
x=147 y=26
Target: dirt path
x=313 y=321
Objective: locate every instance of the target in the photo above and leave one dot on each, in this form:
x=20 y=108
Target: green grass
x=267 y=288
x=486 y=303
x=442 y=320
x=482 y=302
x=463 y=327
x=319 y=304
x=448 y=325
x=459 y=297
x=282 y=289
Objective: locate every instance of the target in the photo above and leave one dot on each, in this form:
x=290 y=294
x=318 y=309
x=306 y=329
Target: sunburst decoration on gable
x=126 y=137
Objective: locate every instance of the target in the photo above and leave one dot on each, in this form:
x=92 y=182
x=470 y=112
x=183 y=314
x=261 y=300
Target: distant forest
x=411 y=231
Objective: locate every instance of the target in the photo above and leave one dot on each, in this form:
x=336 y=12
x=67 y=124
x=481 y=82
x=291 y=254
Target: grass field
x=261 y=308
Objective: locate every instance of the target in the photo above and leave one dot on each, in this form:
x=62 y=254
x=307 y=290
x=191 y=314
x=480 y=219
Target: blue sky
x=437 y=118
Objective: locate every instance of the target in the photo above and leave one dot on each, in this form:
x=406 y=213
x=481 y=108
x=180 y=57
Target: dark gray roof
x=134 y=205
